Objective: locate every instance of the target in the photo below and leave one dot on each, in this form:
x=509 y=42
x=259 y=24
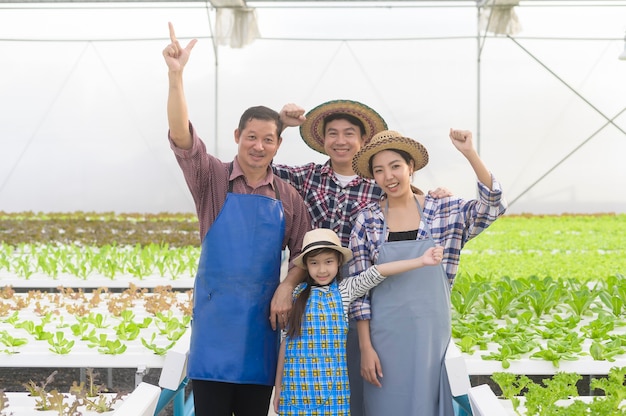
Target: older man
x=247 y=215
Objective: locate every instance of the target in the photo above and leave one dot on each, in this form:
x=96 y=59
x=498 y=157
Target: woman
x=406 y=335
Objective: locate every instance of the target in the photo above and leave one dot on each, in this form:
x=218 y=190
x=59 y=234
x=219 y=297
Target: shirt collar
x=237 y=172
x=327 y=169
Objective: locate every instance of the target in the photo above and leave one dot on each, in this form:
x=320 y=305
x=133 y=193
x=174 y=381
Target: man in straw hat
x=247 y=216
x=410 y=312
x=333 y=192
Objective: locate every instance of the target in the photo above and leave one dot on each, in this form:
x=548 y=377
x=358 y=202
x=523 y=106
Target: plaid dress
x=315 y=375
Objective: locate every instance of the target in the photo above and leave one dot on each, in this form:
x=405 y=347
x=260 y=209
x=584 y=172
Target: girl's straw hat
x=312 y=130
x=321 y=238
x=388 y=140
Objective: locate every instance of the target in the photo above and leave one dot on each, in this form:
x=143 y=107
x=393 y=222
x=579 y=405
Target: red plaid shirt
x=330 y=205
x=207 y=178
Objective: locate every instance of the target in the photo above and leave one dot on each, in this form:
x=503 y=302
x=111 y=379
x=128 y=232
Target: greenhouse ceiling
x=351 y=3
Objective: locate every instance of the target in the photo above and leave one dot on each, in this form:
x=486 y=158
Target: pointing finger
x=172 y=34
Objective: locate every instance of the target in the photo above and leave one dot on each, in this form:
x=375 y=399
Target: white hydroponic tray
x=40 y=280
x=583 y=365
x=141 y=402
x=36 y=353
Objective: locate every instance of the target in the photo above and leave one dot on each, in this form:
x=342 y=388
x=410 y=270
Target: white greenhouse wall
x=83 y=95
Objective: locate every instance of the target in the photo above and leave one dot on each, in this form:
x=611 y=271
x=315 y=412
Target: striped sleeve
x=355 y=287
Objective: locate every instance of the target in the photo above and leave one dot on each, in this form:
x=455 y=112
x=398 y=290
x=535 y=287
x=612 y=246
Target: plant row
x=559 y=396
x=91 y=229
x=86 y=396
x=110 y=261
x=103 y=321
x=582 y=247
x=540 y=318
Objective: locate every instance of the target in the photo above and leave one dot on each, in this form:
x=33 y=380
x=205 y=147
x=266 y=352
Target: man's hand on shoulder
x=440 y=193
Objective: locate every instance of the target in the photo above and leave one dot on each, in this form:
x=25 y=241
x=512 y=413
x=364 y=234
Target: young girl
x=312 y=376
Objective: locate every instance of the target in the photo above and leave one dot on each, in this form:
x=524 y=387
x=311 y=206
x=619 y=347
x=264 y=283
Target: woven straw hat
x=312 y=130
x=388 y=140
x=321 y=238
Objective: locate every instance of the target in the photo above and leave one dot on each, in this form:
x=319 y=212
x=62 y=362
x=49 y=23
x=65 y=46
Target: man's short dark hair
x=261 y=113
x=348 y=117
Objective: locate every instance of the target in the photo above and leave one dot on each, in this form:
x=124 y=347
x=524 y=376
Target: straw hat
x=321 y=238
x=388 y=140
x=312 y=130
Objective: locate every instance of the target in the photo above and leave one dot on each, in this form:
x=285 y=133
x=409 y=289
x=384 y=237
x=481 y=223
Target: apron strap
x=419 y=208
x=230 y=183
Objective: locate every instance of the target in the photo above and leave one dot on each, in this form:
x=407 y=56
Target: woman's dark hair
x=294 y=322
x=407 y=158
x=348 y=117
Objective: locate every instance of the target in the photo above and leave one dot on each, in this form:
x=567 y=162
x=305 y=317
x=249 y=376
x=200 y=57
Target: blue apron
x=238 y=272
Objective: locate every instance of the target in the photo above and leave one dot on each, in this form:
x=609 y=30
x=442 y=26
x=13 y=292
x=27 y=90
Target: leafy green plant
x=606 y=351
x=11 y=342
x=463 y=296
x=170 y=326
x=614 y=387
x=81 y=328
x=541 y=398
x=580 y=301
x=504 y=354
x=154 y=347
x=37 y=331
x=544 y=296
x=97 y=320
x=511 y=386
x=59 y=344
x=614 y=294
x=599 y=328
x=114 y=347
x=98 y=341
x=501 y=300
x=565 y=349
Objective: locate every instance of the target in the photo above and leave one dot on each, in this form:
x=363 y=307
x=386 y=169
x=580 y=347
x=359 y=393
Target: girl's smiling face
x=323 y=267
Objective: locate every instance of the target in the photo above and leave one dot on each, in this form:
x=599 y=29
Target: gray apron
x=410 y=331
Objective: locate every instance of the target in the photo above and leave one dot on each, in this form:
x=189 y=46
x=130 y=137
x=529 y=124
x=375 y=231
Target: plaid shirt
x=452 y=221
x=330 y=205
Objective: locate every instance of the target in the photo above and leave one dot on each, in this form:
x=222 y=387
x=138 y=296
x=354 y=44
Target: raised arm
x=462 y=140
x=176 y=58
x=292 y=115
